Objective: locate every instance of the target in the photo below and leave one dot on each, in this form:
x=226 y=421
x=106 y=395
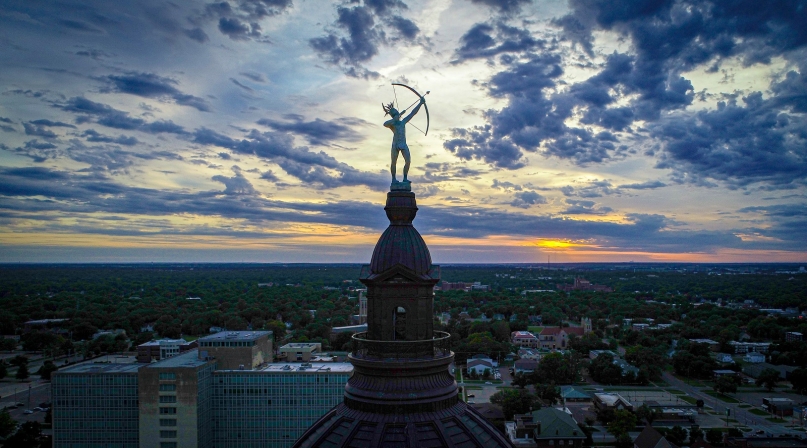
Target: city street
x=755 y=422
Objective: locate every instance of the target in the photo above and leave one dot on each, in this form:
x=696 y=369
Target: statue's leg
x=405 y=152
x=394 y=157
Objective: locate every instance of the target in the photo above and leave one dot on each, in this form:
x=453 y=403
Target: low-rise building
x=524 y=339
x=548 y=427
x=754 y=358
x=781 y=407
x=793 y=336
x=613 y=401
x=299 y=351
x=162 y=349
x=713 y=345
x=748 y=347
x=724 y=372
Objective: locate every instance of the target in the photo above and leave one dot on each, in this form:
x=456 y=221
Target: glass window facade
x=95 y=410
x=259 y=409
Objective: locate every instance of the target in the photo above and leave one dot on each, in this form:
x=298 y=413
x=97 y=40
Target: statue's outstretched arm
x=414 y=111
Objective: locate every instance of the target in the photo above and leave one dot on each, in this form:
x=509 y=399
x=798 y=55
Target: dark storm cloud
x=649 y=185
x=503 y=6
x=254 y=76
x=91 y=193
x=358 y=32
x=237 y=30
x=583 y=207
x=236 y=185
x=479 y=42
x=53 y=124
x=763 y=144
x=316 y=168
x=93 y=136
x=270 y=176
x=238 y=83
x=527 y=199
x=38 y=131
x=317 y=132
x=737 y=144
x=149 y=85
x=105 y=115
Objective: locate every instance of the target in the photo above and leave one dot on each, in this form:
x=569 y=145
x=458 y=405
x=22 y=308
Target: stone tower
x=401 y=393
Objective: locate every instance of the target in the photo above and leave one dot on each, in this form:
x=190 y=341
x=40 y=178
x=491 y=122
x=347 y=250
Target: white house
x=479 y=366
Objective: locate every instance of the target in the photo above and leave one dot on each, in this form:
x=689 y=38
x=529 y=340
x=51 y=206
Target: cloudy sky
x=251 y=130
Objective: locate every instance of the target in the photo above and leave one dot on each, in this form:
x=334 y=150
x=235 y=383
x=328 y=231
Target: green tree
x=22 y=372
x=7 y=424
x=501 y=331
x=676 y=435
x=46 y=370
x=603 y=370
x=623 y=422
x=768 y=378
x=520 y=380
x=646 y=413
x=18 y=360
x=798 y=378
x=726 y=384
x=515 y=401
x=714 y=436
x=624 y=441
x=28 y=436
x=695 y=433
x=8 y=344
x=3 y=369
x=548 y=392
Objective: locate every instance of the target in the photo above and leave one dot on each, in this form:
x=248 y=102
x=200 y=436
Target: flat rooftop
x=100 y=367
x=235 y=336
x=313 y=367
x=302 y=346
x=187 y=359
x=164 y=342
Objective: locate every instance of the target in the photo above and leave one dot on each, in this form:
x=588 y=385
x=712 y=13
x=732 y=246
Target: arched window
x=399 y=324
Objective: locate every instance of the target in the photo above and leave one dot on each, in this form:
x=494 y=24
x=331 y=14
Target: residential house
x=525 y=366
x=650 y=438
x=724 y=358
x=547 y=427
x=574 y=394
x=530 y=353
x=479 y=366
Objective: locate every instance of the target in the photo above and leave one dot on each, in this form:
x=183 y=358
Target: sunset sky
x=251 y=130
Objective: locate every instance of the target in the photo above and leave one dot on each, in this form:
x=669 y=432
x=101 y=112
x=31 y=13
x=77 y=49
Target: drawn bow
x=424 y=105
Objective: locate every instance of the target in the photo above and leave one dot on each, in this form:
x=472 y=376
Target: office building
x=96 y=405
x=196 y=398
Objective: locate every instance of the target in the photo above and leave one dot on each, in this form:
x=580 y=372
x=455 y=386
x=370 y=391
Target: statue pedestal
x=400 y=186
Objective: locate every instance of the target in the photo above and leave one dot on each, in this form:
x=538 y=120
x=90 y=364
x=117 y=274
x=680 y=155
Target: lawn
x=688 y=399
x=534 y=329
x=744 y=406
x=776 y=420
x=721 y=397
x=675 y=392
x=758 y=412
